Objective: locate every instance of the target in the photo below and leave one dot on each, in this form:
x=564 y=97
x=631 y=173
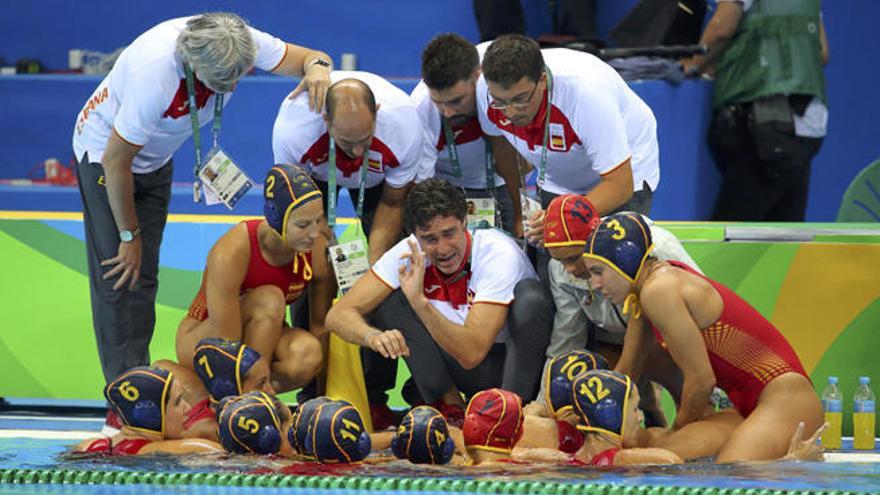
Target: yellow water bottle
x=863 y=416
x=832 y=403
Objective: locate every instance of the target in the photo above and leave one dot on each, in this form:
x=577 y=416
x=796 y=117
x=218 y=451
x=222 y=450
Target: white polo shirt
x=396 y=153
x=596 y=123
x=497 y=264
x=144 y=98
x=469 y=142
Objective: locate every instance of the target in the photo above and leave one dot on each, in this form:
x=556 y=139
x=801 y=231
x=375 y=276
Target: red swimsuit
x=604 y=458
x=746 y=351
x=292 y=279
x=129 y=446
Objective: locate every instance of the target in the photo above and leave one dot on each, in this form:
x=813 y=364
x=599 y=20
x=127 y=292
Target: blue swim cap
x=286 y=187
x=222 y=364
x=300 y=432
x=140 y=396
x=561 y=372
x=335 y=433
x=250 y=424
x=601 y=398
x=423 y=437
x=622 y=240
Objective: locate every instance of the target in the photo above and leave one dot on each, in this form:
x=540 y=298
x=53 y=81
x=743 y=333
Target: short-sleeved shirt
x=497 y=264
x=144 y=97
x=469 y=141
x=597 y=122
x=396 y=153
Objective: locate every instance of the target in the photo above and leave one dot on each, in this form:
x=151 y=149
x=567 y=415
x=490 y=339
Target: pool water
x=40 y=454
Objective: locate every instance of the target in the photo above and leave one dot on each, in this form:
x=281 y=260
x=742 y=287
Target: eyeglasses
x=517 y=103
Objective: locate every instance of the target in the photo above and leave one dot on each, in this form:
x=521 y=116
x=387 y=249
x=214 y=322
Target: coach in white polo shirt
x=447 y=106
x=367 y=117
x=600 y=137
x=464 y=308
x=124 y=138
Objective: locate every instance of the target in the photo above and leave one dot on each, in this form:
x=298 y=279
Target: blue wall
x=388 y=36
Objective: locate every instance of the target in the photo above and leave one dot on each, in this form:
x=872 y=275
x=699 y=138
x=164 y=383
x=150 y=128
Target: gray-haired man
x=124 y=138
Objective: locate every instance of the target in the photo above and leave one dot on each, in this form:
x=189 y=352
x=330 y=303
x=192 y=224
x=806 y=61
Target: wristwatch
x=321 y=62
x=129 y=235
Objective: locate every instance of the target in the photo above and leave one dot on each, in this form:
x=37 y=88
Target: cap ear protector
x=250 y=424
x=140 y=397
x=561 y=372
x=423 y=437
x=222 y=365
x=300 y=432
x=338 y=434
x=601 y=399
x=622 y=241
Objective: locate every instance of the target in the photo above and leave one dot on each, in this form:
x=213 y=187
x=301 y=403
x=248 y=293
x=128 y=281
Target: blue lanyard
x=453 y=155
x=331 y=184
x=194 y=119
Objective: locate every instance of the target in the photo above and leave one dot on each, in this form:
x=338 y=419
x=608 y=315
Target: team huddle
x=541 y=332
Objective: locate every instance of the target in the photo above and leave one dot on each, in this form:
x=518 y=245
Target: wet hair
x=448 y=59
x=219 y=48
x=332 y=100
x=512 y=57
x=430 y=199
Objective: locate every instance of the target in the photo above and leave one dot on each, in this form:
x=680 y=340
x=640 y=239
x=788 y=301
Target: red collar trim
x=537 y=124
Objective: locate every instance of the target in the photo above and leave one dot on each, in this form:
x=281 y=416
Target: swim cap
x=423 y=437
x=561 y=372
x=622 y=240
x=338 y=434
x=250 y=424
x=569 y=220
x=601 y=398
x=300 y=432
x=140 y=396
x=286 y=188
x=493 y=421
x=222 y=364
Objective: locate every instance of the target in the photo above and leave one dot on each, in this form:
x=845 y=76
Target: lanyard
x=331 y=184
x=194 y=119
x=453 y=155
x=543 y=166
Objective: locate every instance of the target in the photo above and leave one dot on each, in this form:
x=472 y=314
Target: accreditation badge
x=224 y=181
x=350 y=261
x=529 y=206
x=481 y=213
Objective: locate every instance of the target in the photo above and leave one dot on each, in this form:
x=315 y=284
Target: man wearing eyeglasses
x=372 y=124
x=484 y=166
x=575 y=120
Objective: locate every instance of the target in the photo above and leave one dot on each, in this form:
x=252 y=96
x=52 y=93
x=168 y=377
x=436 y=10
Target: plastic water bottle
x=863 y=415
x=832 y=403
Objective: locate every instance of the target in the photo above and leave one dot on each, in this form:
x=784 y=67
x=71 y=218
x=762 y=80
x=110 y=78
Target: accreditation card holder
x=224 y=181
x=481 y=213
x=350 y=261
x=529 y=206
